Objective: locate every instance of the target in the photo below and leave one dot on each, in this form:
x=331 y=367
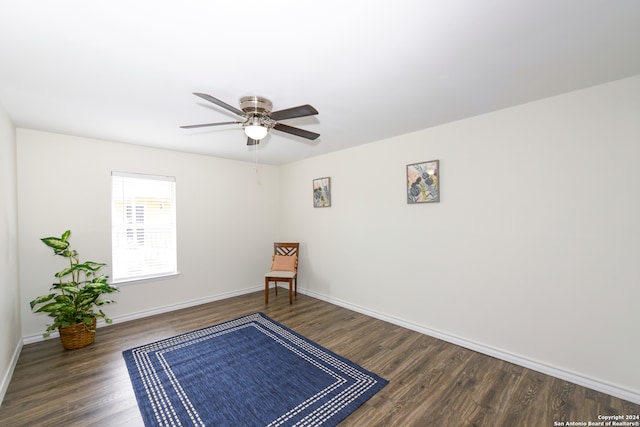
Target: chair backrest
x=287 y=249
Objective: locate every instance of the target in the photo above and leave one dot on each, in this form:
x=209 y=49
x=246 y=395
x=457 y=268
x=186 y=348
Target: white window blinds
x=143 y=226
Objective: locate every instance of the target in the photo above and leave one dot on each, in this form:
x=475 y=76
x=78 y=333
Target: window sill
x=137 y=280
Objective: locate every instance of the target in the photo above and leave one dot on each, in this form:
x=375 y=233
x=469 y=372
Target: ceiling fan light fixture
x=254 y=129
x=256 y=132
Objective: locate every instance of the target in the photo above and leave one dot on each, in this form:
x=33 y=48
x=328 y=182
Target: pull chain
x=255 y=158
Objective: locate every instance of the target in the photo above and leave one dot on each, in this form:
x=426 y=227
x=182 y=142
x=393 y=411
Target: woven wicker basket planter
x=77 y=336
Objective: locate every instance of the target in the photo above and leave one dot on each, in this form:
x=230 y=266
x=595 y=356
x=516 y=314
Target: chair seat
x=281 y=274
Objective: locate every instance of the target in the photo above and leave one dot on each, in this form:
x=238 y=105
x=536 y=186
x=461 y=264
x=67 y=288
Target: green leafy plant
x=75 y=297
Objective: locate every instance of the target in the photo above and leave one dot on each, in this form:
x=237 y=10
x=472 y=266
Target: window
x=143 y=226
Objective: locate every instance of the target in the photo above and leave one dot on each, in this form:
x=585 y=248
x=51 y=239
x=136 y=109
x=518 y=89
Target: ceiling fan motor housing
x=255 y=105
x=257 y=111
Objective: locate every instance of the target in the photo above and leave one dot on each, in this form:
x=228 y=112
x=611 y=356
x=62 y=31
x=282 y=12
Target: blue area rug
x=251 y=371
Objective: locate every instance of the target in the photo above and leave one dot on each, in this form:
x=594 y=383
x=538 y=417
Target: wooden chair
x=283 y=269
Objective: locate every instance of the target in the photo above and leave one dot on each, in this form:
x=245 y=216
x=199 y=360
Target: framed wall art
x=322 y=192
x=423 y=182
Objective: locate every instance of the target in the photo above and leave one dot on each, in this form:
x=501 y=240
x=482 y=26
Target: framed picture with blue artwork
x=322 y=192
x=423 y=182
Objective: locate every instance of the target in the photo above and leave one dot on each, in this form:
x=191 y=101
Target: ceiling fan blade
x=219 y=103
x=296 y=131
x=208 y=124
x=252 y=141
x=290 y=113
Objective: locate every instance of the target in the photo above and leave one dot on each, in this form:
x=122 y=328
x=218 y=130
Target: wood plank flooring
x=431 y=382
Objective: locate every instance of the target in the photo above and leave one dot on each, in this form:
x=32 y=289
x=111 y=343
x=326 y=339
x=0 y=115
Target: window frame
x=134 y=233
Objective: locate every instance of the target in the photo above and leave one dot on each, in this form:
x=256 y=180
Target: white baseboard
x=141 y=314
x=585 y=381
x=594 y=384
x=9 y=372
x=192 y=303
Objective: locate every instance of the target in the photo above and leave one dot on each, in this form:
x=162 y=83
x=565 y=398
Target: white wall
x=10 y=336
x=227 y=217
x=533 y=250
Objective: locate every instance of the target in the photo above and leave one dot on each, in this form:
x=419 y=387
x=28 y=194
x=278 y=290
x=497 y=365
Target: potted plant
x=73 y=300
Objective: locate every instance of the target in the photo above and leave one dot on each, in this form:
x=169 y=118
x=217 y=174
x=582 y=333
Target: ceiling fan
x=258 y=119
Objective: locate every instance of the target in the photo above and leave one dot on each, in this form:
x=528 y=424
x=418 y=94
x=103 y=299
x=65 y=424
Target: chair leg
x=290 y=292
x=293 y=290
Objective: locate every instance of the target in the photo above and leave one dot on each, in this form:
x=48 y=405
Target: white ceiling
x=125 y=70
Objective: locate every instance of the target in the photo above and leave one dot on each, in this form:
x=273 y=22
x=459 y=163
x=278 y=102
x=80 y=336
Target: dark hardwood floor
x=431 y=382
